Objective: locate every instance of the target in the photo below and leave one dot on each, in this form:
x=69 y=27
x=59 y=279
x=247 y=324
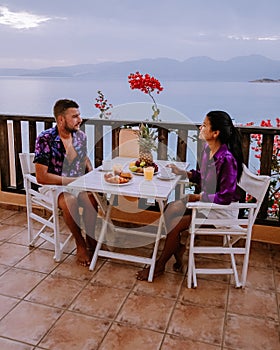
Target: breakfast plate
x=117 y=184
x=166 y=178
x=116 y=180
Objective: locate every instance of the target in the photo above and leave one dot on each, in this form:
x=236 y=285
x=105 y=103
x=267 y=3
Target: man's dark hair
x=62 y=105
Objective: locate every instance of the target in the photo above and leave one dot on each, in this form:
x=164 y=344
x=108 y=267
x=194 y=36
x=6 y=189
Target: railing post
x=32 y=136
x=162 y=143
x=115 y=141
x=246 y=139
x=17 y=149
x=182 y=145
x=48 y=125
x=266 y=155
x=265 y=168
x=98 y=147
x=4 y=159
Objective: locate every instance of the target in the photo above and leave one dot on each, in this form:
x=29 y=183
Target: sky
x=38 y=34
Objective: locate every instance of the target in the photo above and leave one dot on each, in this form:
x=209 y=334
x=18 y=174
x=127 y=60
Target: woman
x=220 y=170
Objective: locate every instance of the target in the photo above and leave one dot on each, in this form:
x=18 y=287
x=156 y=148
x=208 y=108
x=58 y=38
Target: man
x=60 y=157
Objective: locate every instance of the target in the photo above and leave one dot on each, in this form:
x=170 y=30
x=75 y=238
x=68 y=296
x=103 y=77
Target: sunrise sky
x=37 y=34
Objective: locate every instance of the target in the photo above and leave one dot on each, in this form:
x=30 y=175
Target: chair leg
x=245 y=262
x=30 y=231
x=233 y=262
x=57 y=245
x=191 y=260
x=29 y=220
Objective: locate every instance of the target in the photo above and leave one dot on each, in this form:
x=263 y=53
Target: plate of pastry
x=118 y=180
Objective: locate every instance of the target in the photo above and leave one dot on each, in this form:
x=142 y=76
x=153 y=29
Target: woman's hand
x=194 y=197
x=176 y=170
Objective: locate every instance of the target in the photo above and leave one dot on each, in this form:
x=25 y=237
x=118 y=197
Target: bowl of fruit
x=137 y=167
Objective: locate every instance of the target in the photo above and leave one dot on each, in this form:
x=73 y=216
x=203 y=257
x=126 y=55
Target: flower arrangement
x=274 y=193
x=103 y=105
x=147 y=84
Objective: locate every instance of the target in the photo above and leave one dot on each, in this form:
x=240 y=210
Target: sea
x=179 y=101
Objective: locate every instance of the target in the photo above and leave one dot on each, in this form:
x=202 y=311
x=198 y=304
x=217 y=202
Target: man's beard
x=72 y=129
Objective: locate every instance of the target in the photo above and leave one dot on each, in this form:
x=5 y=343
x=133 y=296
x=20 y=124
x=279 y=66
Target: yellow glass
x=149 y=173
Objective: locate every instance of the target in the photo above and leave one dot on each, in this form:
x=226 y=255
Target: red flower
x=102 y=105
x=147 y=84
x=273 y=209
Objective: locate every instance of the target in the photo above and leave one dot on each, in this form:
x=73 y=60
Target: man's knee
x=86 y=198
x=67 y=200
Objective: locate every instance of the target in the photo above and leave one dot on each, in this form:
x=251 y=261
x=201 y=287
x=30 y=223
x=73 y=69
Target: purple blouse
x=217 y=176
x=50 y=151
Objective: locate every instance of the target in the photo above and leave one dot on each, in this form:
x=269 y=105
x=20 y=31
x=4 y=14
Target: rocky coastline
x=265 y=80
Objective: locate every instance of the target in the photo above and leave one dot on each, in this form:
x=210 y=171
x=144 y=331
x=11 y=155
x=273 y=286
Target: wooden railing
x=18 y=134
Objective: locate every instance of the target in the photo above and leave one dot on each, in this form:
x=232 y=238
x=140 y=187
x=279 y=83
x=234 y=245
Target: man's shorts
x=49 y=191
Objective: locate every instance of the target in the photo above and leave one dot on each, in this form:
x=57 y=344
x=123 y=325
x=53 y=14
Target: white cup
x=117 y=168
x=107 y=165
x=166 y=172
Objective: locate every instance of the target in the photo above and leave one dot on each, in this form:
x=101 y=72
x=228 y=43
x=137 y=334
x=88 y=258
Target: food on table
x=133 y=168
x=126 y=175
x=147 y=143
x=147 y=139
x=138 y=167
x=117 y=179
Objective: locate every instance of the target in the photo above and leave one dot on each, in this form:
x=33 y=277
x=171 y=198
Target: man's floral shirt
x=50 y=151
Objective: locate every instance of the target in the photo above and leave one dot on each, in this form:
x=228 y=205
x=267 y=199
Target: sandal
x=177 y=267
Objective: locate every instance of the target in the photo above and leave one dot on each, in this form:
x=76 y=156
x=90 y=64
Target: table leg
x=102 y=233
x=158 y=237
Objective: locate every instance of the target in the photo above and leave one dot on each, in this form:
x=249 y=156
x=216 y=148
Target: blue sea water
x=179 y=101
x=244 y=101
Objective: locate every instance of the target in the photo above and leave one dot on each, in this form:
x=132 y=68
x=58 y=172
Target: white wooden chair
x=232 y=231
x=49 y=230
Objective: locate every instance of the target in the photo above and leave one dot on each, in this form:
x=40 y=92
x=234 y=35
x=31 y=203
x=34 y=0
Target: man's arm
x=88 y=165
x=45 y=178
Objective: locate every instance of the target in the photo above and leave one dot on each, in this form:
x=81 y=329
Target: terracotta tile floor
x=48 y=305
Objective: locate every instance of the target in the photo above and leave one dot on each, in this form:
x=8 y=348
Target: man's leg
x=90 y=208
x=70 y=209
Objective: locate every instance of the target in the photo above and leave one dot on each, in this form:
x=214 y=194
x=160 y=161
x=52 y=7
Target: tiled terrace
x=48 y=305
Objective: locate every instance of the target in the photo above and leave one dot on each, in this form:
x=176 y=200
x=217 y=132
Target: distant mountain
x=243 y=68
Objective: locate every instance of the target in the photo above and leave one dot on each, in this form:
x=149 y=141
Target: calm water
x=244 y=101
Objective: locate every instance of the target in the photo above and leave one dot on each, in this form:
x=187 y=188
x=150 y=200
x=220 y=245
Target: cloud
x=254 y=38
x=20 y=20
x=269 y=38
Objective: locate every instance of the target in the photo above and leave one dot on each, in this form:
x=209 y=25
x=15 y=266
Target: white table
x=155 y=190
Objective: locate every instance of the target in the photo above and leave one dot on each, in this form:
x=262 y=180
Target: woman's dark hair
x=62 y=105
x=228 y=135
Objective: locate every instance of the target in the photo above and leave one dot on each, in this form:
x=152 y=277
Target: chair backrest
x=128 y=143
x=26 y=162
x=255 y=185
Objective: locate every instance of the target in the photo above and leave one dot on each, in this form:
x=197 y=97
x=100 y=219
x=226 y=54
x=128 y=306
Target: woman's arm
x=182 y=172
